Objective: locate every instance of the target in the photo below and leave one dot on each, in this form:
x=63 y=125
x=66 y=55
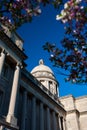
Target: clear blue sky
x=42 y=29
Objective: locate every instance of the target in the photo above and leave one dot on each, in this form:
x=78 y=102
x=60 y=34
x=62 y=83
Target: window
x=50 y=86
x=1 y=99
x=6 y=71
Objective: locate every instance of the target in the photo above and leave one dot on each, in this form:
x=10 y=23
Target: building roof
x=41 y=68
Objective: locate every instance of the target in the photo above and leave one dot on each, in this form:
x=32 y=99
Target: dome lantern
x=41 y=62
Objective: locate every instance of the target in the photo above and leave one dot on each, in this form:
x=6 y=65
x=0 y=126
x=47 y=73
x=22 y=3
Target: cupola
x=46 y=76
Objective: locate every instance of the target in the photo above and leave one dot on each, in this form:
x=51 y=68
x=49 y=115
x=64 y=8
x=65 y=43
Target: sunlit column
x=2 y=59
x=48 y=119
x=11 y=117
x=24 y=110
x=47 y=84
x=64 y=124
x=41 y=117
x=33 y=113
x=60 y=122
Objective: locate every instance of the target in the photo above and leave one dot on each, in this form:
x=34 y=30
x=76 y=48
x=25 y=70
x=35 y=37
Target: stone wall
x=76 y=108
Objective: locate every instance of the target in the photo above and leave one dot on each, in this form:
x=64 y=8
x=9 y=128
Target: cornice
x=83 y=113
x=73 y=111
x=12 y=45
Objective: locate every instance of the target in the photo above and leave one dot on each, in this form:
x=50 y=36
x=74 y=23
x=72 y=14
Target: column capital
x=59 y=115
x=3 y=51
x=19 y=64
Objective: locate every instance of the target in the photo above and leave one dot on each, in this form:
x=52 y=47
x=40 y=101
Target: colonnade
x=46 y=114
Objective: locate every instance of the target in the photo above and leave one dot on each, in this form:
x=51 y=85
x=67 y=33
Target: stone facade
x=76 y=112
x=25 y=103
x=30 y=101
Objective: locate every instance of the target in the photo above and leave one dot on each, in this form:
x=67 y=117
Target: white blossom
x=63 y=13
x=58 y=17
x=74 y=80
x=78 y=1
x=64 y=20
x=52 y=55
x=9 y=20
x=82 y=7
x=39 y=11
x=65 y=5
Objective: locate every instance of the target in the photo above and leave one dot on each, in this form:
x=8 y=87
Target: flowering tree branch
x=73 y=55
x=13 y=13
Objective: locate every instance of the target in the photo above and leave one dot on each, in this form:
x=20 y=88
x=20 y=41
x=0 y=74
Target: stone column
x=41 y=117
x=48 y=119
x=64 y=124
x=11 y=117
x=2 y=59
x=47 y=84
x=60 y=123
x=57 y=122
x=54 y=121
x=2 y=127
x=24 y=110
x=33 y=125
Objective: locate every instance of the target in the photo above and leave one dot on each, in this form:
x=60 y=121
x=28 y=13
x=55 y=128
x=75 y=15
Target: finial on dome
x=41 y=62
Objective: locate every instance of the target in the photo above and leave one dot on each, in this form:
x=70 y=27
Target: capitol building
x=30 y=100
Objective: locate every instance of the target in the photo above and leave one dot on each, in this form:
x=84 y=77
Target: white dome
x=41 y=68
x=46 y=76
